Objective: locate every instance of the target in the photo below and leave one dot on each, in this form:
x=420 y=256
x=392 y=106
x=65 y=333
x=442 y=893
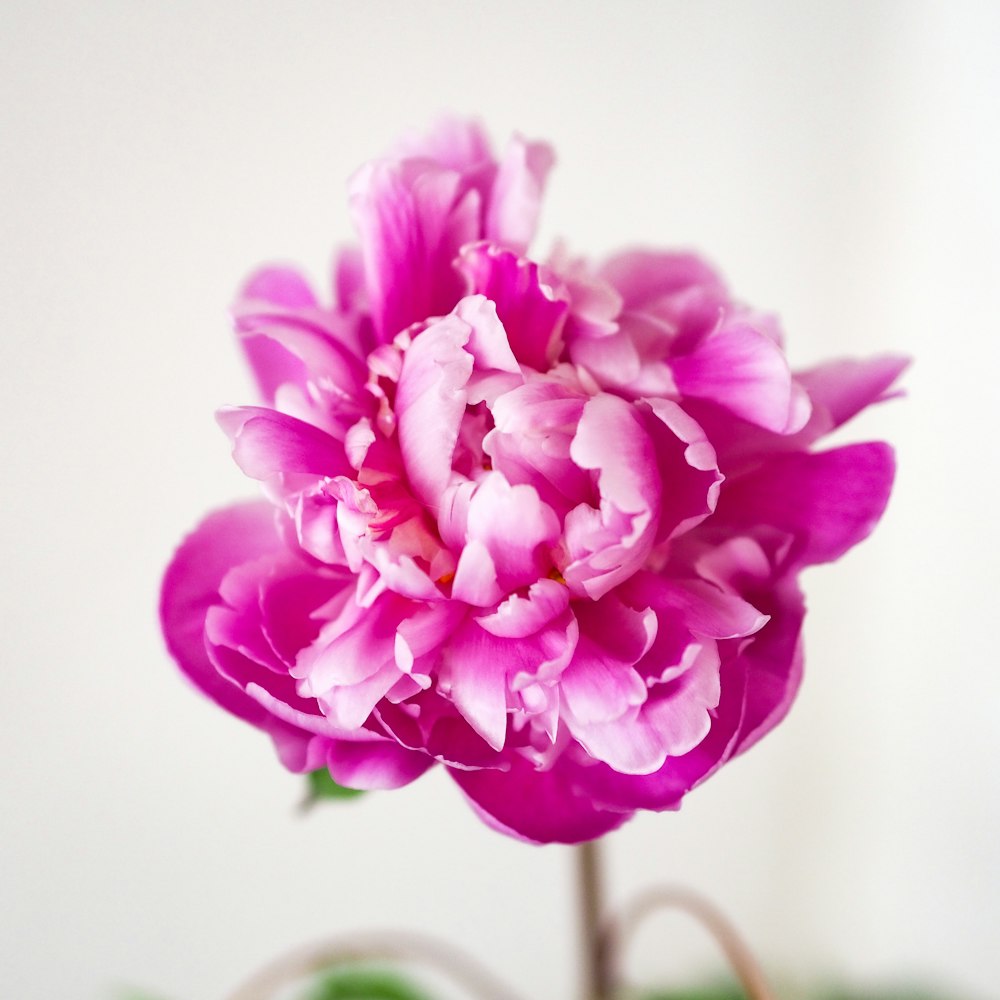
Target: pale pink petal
x=516 y=197
x=474 y=676
x=515 y=527
x=519 y=616
x=603 y=551
x=532 y=437
x=645 y=277
x=430 y=402
x=455 y=143
x=669 y=725
x=290 y=340
x=600 y=683
x=352 y=647
x=475 y=580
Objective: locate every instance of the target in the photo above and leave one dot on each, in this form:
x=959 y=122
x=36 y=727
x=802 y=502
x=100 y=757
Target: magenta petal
x=272 y=364
x=828 y=501
x=223 y=540
x=267 y=443
x=745 y=371
x=372 y=766
x=845 y=387
x=542 y=807
x=413 y=217
x=686 y=460
x=772 y=661
x=289 y=339
x=532 y=311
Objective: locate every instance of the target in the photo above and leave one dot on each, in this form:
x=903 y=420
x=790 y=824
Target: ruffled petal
x=686 y=460
x=519 y=616
x=533 y=311
x=605 y=547
x=515 y=527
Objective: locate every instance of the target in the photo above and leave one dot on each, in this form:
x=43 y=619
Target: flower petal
x=539 y=806
x=827 y=501
x=845 y=387
x=744 y=370
x=267 y=443
x=531 y=309
x=375 y=766
x=191 y=584
x=604 y=548
x=516 y=529
x=517 y=191
x=430 y=402
x=686 y=460
x=413 y=216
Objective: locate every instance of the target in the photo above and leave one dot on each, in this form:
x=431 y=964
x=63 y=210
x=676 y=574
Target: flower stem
x=597 y=984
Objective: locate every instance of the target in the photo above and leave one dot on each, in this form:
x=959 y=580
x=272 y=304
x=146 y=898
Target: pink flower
x=536 y=522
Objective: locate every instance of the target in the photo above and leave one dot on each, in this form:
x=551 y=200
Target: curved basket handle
x=393 y=946
x=619 y=930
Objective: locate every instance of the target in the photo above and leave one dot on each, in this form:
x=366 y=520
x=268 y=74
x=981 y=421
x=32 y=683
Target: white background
x=840 y=162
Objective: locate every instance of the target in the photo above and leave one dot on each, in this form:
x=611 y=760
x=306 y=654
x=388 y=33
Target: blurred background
x=839 y=161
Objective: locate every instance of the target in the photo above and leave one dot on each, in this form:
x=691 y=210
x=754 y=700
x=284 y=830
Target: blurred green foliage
x=362 y=984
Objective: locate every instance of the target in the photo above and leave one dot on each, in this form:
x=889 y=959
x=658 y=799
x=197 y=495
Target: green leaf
x=363 y=984
x=322 y=786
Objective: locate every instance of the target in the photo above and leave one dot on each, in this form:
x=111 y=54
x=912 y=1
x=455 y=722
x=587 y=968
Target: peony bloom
x=537 y=522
